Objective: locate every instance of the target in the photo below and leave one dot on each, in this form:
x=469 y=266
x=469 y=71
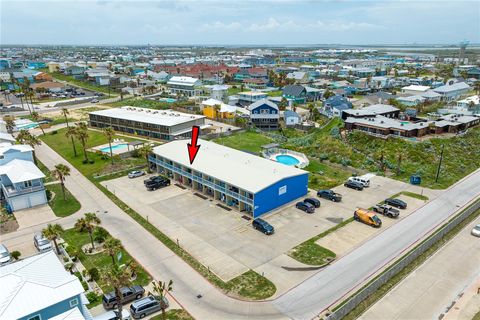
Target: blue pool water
x=286 y=159
x=169 y=100
x=27 y=126
x=115 y=147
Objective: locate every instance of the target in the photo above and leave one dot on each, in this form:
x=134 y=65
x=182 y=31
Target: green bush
x=94 y=274
x=84 y=285
x=65 y=259
x=100 y=234
x=92 y=297
x=15 y=254
x=49 y=194
x=54 y=132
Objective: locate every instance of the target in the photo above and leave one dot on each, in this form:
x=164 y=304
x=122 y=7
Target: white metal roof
x=21 y=170
x=452 y=87
x=182 y=80
x=35 y=283
x=418 y=88
x=72 y=314
x=241 y=169
x=17 y=147
x=160 y=117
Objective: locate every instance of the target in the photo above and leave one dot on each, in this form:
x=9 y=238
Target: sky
x=238 y=22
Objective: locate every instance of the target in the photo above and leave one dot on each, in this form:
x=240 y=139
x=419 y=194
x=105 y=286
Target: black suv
x=397 y=203
x=156 y=182
x=263 y=226
x=353 y=185
x=305 y=206
x=329 y=195
x=314 y=202
x=128 y=294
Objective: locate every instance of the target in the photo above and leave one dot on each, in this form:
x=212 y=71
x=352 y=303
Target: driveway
x=38 y=215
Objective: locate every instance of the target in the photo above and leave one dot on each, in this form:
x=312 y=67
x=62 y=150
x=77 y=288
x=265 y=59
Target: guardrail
x=398 y=266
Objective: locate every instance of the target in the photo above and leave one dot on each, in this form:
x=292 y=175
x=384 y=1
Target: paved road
x=430 y=290
x=328 y=286
x=302 y=302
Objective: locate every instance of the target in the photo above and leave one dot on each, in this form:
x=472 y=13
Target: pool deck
x=301 y=161
x=115 y=151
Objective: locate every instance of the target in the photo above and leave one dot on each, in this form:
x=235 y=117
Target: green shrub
x=15 y=254
x=69 y=267
x=94 y=274
x=49 y=194
x=91 y=161
x=84 y=285
x=54 y=132
x=100 y=234
x=92 y=297
x=65 y=259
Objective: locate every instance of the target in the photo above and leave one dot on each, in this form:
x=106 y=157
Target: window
x=27 y=184
x=35 y=317
x=73 y=303
x=282 y=190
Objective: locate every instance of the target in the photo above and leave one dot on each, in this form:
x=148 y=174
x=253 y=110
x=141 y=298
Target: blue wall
x=55 y=309
x=269 y=198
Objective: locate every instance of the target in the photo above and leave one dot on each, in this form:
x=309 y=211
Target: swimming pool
x=27 y=126
x=286 y=159
x=169 y=100
x=115 y=147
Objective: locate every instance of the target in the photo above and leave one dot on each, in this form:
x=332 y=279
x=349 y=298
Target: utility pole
x=440 y=163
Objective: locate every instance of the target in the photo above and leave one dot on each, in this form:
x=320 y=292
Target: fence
x=356 y=299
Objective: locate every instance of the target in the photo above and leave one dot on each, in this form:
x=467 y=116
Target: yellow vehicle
x=367 y=217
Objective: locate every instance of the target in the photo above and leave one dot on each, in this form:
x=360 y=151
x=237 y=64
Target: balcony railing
x=10 y=191
x=201 y=180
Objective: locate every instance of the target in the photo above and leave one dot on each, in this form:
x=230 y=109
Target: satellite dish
x=451 y=81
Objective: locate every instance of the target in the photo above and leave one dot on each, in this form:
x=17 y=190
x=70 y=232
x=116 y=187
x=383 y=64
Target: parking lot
x=226 y=243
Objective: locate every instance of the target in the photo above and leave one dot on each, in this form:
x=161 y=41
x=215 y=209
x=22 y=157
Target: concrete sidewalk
x=430 y=291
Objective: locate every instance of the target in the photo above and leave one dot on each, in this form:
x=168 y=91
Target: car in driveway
x=476 y=231
x=146 y=306
x=136 y=174
x=397 y=203
x=41 y=243
x=386 y=210
x=113 y=315
x=314 y=202
x=263 y=226
x=305 y=206
x=109 y=300
x=353 y=185
x=5 y=256
x=329 y=195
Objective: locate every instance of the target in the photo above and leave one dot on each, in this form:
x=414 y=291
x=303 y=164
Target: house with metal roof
x=187 y=86
x=295 y=92
x=236 y=179
x=39 y=288
x=335 y=105
x=452 y=91
x=264 y=115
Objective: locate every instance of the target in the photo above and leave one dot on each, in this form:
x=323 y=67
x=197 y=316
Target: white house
x=452 y=91
x=184 y=85
x=415 y=89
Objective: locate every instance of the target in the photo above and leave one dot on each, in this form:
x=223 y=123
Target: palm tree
x=82 y=135
x=9 y=123
x=61 y=171
x=88 y=223
x=72 y=132
x=36 y=118
x=112 y=246
x=160 y=287
x=52 y=232
x=65 y=113
x=116 y=276
x=144 y=151
x=25 y=137
x=109 y=133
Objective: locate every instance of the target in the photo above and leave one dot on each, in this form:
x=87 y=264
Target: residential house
x=299 y=76
x=249 y=97
x=39 y=288
x=295 y=92
x=291 y=118
x=264 y=115
x=415 y=89
x=187 y=86
x=74 y=70
x=21 y=180
x=411 y=101
x=218 y=91
x=452 y=91
x=53 y=67
x=335 y=105
x=385 y=110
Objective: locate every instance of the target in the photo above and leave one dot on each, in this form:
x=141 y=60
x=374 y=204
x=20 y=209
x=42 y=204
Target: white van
x=365 y=182
x=112 y=315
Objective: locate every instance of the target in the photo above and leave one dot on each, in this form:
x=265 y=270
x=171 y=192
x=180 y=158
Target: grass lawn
x=60 y=207
x=311 y=253
x=83 y=84
x=411 y=195
x=100 y=260
x=251 y=285
x=276 y=93
x=324 y=176
x=246 y=141
x=48 y=174
x=174 y=314
x=102 y=165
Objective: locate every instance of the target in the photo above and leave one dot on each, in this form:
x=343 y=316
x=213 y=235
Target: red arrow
x=192 y=147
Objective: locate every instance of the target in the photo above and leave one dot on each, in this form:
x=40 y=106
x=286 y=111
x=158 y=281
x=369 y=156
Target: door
x=19 y=203
x=37 y=199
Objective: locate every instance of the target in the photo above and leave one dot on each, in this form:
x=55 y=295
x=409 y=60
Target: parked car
x=148 y=305
x=41 y=243
x=397 y=203
x=136 y=173
x=353 y=185
x=156 y=183
x=367 y=217
x=128 y=294
x=153 y=178
x=476 y=231
x=305 y=206
x=329 y=195
x=113 y=315
x=263 y=226
x=386 y=210
x=314 y=202
x=363 y=181
x=94 y=100
x=5 y=256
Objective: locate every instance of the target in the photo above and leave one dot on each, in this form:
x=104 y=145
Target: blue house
x=36 y=64
x=21 y=180
x=264 y=115
x=39 y=288
x=334 y=106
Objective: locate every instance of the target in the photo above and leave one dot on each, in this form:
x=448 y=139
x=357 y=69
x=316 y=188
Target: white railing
x=278 y=151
